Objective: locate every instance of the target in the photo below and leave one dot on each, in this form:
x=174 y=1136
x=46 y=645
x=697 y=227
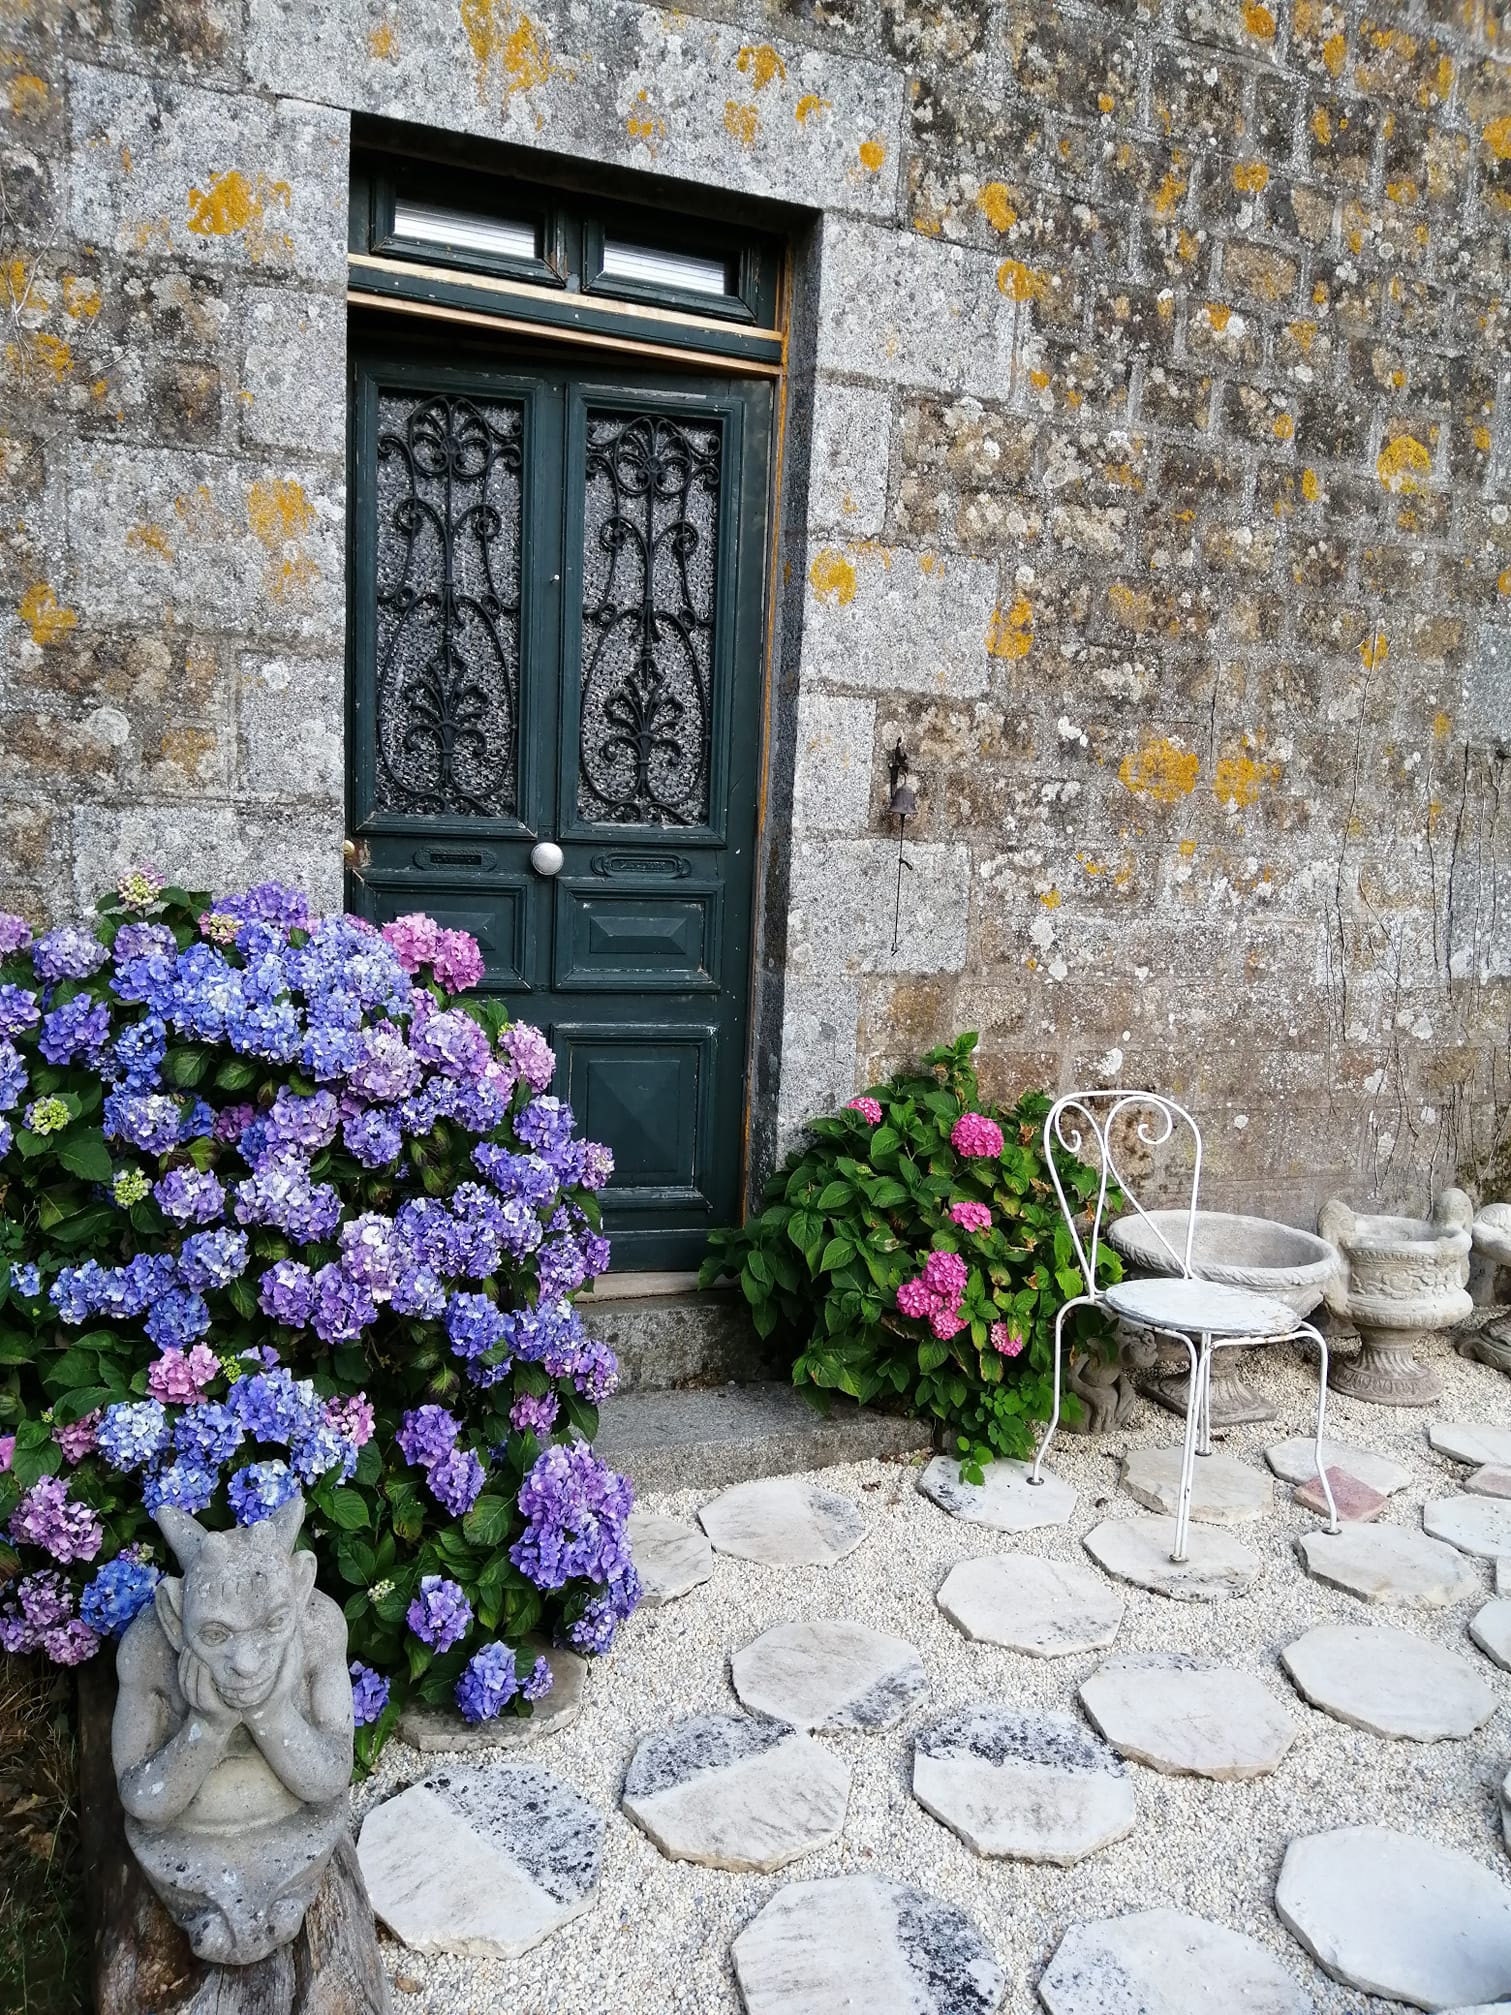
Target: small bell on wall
x=901 y=806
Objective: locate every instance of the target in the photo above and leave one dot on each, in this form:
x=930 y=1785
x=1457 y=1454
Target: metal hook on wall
x=901 y=805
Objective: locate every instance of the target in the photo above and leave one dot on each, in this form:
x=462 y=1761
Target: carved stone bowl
x=1254 y=1252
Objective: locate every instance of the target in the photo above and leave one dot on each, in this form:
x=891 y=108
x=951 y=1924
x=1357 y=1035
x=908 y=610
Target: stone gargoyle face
x=241 y=1602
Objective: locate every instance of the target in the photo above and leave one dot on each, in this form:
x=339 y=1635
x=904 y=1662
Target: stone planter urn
x=1255 y=1252
x=1402 y=1281
x=1487 y=1332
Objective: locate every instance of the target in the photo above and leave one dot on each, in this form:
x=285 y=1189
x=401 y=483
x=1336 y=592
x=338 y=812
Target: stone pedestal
x=1401 y=1282
x=1386 y=1372
x=1236 y=1400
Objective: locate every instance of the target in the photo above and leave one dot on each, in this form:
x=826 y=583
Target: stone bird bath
x=1402 y=1281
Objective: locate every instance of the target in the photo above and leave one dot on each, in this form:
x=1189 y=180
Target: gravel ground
x=659 y=1937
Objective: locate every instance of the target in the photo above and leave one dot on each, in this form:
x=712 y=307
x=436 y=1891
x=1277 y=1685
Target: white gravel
x=658 y=1939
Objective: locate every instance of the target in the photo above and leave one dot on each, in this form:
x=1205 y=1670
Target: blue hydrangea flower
x=190 y=1196
x=488 y=1683
x=272 y=1406
x=25 y=1280
x=373 y=1138
x=13 y=1076
x=185 y=1484
x=440 y=1614
x=137 y=1054
x=68 y=954
x=78 y=1028
x=18 y=1010
x=210 y=1434
x=117 y=1592
x=426 y=1435
x=474 y=1324
x=316 y=1453
x=260 y=1489
x=132 y=1432
x=212 y=1258
x=149 y=1121
x=369 y=1693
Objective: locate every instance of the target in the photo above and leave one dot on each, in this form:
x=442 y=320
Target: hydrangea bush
x=914 y=1251
x=279 y=1212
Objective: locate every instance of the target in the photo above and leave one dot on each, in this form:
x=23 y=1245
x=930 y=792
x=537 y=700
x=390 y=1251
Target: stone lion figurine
x=232 y=1739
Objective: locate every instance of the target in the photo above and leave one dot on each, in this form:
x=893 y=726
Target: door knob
x=547 y=858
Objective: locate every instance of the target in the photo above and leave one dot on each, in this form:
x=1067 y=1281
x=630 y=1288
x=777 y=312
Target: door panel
x=557 y=633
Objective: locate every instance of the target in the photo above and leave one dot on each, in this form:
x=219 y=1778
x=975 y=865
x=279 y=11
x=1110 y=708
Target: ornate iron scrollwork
x=448 y=569
x=650 y=557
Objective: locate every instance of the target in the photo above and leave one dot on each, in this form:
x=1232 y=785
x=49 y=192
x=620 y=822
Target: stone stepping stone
x=731 y=1792
x=1188 y=1716
x=1354 y=1502
x=1006 y=1501
x=1490 y=1628
x=485 y=1859
x=849 y=1943
x=1048 y=1608
x=1389 y=1564
x=1031 y=1787
x=1503 y=1577
x=1479 y=1526
x=1224 y=1491
x=1295 y=1461
x=782 y=1521
x=829 y=1674
x=1217 y=1566
x=441 y=1731
x=1391 y=1682
x=1492 y=1480
x=1393 y=1915
x=669 y=1557
x=1165 y=1962
x=1468 y=1441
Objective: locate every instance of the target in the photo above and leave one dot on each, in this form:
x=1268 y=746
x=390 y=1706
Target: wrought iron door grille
x=446 y=693
x=649 y=595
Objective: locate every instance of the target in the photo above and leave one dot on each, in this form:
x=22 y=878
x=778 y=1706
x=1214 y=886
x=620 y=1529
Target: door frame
x=384 y=293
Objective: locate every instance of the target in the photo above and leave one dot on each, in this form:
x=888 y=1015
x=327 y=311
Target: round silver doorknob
x=547 y=858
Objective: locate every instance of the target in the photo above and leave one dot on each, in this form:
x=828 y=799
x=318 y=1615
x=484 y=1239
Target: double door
x=556 y=667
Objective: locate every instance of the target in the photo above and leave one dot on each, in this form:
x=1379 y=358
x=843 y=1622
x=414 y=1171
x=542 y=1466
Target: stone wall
x=1148 y=474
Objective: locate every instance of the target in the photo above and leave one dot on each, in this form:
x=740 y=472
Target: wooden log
x=143 y=1963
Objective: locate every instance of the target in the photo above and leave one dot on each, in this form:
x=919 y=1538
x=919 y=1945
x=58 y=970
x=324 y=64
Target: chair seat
x=1200 y=1307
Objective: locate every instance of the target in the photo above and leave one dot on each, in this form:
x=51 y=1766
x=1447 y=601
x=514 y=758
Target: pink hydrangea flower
x=974 y=1133
x=352 y=1416
x=945 y=1323
x=413 y=938
x=916 y=1298
x=182 y=1375
x=7 y=1450
x=945 y=1273
x=971 y=1216
x=1006 y=1342
x=458 y=963
x=78 y=1439
x=868 y=1108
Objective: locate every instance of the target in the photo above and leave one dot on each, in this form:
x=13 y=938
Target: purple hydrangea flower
x=440 y=1614
x=46 y=1517
x=143 y=941
x=369 y=1693
x=453 y=1041
x=212 y=1258
x=545 y=1123
x=455 y=1480
x=70 y=1643
x=384 y=1068
x=269 y=902
x=534 y=1413
x=373 y=1138
x=18 y=1010
x=121 y=1588
x=132 y=1432
x=576 y=1509
x=474 y=1324
x=77 y=1028
x=370 y=1255
x=352 y=1416
x=343 y=1308
x=530 y=1053
x=280 y=1193
x=488 y=1683
x=15 y=933
x=68 y=953
x=37 y=1602
x=427 y=1434
x=190 y=1196
x=595 y=1630
x=287 y=1293
x=304 y=1124
x=260 y=1489
x=13 y=1077
x=176 y=1318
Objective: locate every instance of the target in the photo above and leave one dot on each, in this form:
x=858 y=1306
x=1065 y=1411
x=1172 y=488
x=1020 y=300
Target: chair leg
x=1315 y=1335
x=1204 y=1418
x=1188 y=1447
x=1081 y=1301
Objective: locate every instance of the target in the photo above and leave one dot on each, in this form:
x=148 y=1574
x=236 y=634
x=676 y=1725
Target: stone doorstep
x=666 y=1335
x=711 y=1438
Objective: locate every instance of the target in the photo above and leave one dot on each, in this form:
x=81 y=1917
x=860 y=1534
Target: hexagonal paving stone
x=1006 y=1501
x=1224 y=1491
x=784 y=1521
x=1393 y=1915
x=1032 y=1787
x=1490 y=1628
x=1295 y=1461
x=1048 y=1608
x=1388 y=1564
x=1468 y=1441
x=1479 y=1526
x=859 y=1942
x=1188 y=1716
x=1217 y=1566
x=481 y=1858
x=669 y=1557
x=829 y=1674
x=1168 y=1963
x=1390 y=1681
x=731 y=1792
x=1491 y=1480
x=1354 y=1502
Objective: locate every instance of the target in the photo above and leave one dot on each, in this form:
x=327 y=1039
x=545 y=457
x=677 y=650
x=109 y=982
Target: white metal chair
x=1204 y=1316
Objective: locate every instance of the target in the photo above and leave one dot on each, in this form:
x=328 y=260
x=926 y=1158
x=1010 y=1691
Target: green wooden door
x=557 y=637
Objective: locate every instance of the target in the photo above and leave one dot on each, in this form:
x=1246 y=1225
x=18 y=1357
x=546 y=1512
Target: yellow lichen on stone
x=644 y=124
x=1159 y=770
x=1010 y=633
x=499 y=33
x=149 y=539
x=1403 y=464
x=1169 y=193
x=741 y=122
x=1311 y=485
x=232 y=203
x=382 y=41
x=28 y=94
x=1482 y=439
x=760 y=63
x=809 y=106
x=994 y=203
x=1132 y=608
x=1258 y=20
x=832 y=577
x=81 y=298
x=1334 y=54
x=1250 y=177
x=1050 y=898
x=872 y=155
x=1239 y=778
x=43 y=614
x=1442 y=724
x=1020 y=282
x=1374 y=650
x=1497 y=138
x=1218 y=316
x=279 y=514
x=1503 y=582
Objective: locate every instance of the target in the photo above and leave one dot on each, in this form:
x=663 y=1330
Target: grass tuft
x=44 y=1949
